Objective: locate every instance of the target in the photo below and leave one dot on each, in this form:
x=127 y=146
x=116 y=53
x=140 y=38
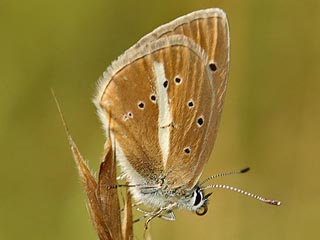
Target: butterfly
x=160 y=104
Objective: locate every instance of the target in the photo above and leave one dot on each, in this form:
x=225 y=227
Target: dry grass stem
x=102 y=195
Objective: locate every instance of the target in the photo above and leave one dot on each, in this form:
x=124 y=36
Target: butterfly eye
x=198 y=199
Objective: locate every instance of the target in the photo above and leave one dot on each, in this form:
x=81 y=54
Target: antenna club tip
x=278 y=203
x=245 y=170
x=274 y=202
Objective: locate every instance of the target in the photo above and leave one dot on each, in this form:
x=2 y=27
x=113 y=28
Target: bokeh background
x=271 y=119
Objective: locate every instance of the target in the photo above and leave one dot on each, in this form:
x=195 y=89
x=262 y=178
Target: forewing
x=208 y=28
x=147 y=108
x=143 y=136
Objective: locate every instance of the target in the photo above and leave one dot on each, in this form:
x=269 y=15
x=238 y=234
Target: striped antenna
x=262 y=199
x=224 y=174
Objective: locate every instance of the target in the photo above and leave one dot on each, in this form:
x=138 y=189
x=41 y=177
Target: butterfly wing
x=208 y=28
x=140 y=102
x=168 y=128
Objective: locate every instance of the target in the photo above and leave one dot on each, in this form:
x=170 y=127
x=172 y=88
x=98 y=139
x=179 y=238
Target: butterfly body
x=162 y=196
x=160 y=104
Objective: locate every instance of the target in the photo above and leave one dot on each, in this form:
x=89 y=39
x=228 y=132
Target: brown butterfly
x=160 y=104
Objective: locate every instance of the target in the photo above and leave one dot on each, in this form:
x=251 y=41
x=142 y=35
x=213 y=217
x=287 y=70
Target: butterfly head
x=198 y=201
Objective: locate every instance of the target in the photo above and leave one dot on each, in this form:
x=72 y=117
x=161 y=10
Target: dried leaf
x=103 y=202
x=127 y=224
x=108 y=194
x=90 y=186
x=89 y=183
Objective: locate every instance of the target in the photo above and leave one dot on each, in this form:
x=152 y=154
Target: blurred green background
x=271 y=119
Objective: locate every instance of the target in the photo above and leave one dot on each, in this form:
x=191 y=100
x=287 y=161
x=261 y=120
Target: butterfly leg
x=146 y=214
x=169 y=216
x=132 y=205
x=153 y=215
x=158 y=213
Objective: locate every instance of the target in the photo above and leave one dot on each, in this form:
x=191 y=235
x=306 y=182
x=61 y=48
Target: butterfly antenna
x=249 y=194
x=224 y=174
